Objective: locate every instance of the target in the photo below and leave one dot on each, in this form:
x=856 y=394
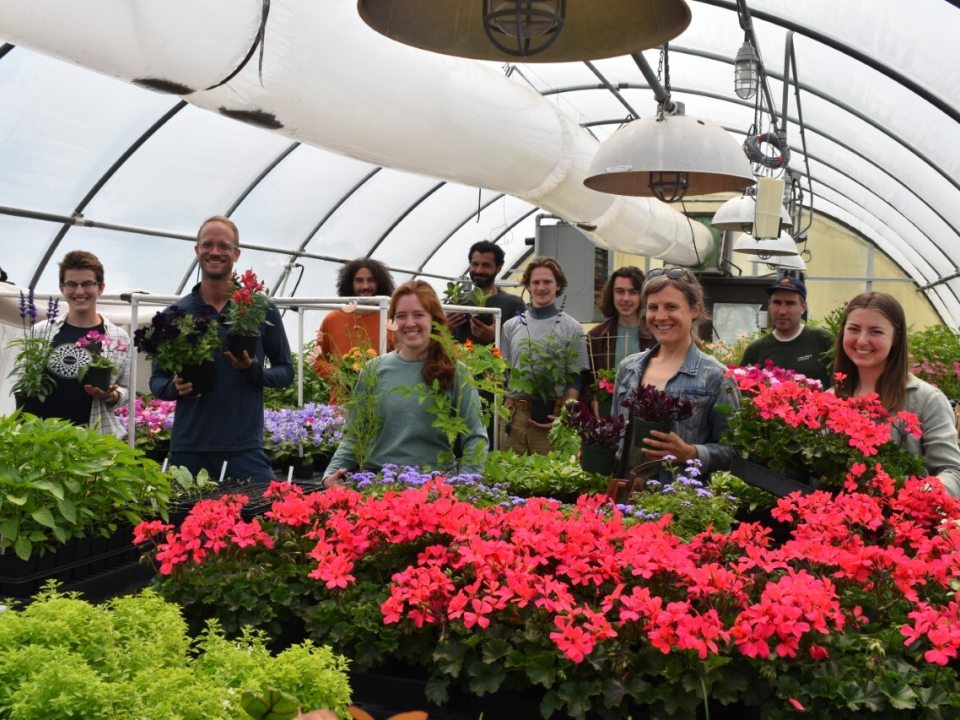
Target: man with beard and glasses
x=486 y=262
x=225 y=425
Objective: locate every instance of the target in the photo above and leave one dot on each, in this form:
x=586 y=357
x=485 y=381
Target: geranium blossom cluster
x=786 y=419
x=881 y=555
x=151 y=417
x=248 y=306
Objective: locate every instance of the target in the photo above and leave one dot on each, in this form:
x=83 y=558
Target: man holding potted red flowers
x=675 y=366
x=72 y=352
x=225 y=425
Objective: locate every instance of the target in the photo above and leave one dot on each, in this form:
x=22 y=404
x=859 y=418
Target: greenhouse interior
x=465 y=359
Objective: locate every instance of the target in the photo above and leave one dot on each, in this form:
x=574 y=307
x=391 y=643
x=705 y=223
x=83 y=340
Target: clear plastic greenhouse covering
x=380 y=149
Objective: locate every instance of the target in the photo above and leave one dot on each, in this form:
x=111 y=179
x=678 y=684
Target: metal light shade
x=765 y=248
x=737 y=214
x=746 y=72
x=669 y=158
x=588 y=29
x=786 y=262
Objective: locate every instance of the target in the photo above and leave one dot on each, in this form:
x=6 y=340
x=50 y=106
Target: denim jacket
x=702 y=380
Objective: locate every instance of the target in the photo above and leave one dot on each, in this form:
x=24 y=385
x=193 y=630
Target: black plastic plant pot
x=202 y=376
x=98 y=377
x=541 y=410
x=637 y=430
x=597 y=459
x=238 y=344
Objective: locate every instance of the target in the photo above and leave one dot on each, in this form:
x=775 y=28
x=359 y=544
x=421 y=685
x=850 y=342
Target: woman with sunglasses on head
x=673 y=304
x=872 y=356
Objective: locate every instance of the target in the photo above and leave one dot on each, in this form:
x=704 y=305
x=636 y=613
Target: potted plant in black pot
x=182 y=344
x=544 y=369
x=650 y=409
x=599 y=436
x=105 y=355
x=245 y=313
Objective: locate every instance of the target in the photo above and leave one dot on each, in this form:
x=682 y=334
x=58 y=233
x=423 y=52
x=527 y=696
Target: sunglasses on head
x=672 y=273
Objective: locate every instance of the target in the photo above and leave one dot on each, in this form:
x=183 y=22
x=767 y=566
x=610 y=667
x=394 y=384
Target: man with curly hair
x=346 y=328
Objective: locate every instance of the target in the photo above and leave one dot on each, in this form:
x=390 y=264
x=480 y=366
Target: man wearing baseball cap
x=792 y=344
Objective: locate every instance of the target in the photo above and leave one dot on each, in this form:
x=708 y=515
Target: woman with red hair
x=400 y=395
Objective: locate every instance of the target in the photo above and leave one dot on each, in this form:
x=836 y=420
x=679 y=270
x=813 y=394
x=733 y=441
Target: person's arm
x=277 y=350
x=321 y=362
x=939 y=439
x=475 y=440
x=712 y=454
x=345 y=458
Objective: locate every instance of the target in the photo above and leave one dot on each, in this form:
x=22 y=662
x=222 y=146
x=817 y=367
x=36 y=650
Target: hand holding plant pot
x=245 y=314
x=544 y=370
x=651 y=410
x=599 y=437
x=182 y=344
x=106 y=355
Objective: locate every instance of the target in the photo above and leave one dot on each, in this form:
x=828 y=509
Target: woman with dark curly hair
x=392 y=388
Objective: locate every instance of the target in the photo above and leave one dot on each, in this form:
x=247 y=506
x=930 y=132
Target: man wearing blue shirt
x=225 y=425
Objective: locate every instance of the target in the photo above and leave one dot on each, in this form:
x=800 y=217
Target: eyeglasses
x=672 y=273
x=207 y=246
x=86 y=284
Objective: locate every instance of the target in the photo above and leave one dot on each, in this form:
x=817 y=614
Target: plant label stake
x=166 y=461
x=290 y=475
x=223 y=471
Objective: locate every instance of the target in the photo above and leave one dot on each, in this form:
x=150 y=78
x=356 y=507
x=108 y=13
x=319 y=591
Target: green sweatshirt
x=406 y=435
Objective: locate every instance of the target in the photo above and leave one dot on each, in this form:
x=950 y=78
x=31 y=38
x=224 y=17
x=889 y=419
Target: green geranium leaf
x=17 y=499
x=436 y=690
x=485 y=678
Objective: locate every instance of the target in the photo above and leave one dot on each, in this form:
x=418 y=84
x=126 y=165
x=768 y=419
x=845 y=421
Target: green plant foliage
x=552 y=475
x=61 y=657
x=59 y=482
x=315 y=389
x=730 y=353
x=935 y=357
x=545 y=367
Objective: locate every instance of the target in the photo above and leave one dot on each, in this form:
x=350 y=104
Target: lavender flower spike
x=23 y=306
x=31 y=307
x=53 y=309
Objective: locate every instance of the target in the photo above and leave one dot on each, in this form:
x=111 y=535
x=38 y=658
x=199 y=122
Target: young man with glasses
x=227 y=424
x=81 y=283
x=623 y=333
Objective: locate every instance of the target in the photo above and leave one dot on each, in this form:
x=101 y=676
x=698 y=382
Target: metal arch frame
x=459 y=226
x=300 y=252
x=944 y=311
x=510 y=227
x=857 y=55
x=101 y=181
x=402 y=216
x=270 y=166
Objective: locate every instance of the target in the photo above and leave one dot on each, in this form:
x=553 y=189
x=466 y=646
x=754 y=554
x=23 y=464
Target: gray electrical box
x=586 y=266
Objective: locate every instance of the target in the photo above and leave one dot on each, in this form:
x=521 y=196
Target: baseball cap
x=791 y=284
